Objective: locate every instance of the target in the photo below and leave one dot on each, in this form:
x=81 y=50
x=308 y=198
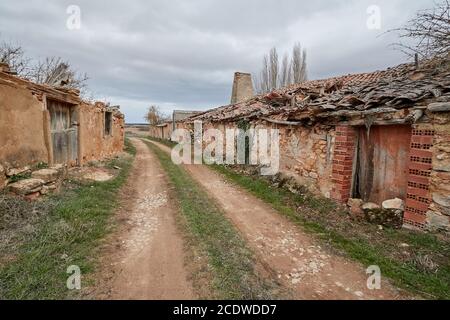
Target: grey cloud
x=182 y=54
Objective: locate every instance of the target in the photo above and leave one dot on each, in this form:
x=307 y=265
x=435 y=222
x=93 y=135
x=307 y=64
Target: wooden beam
x=439 y=107
x=352 y=113
x=282 y=122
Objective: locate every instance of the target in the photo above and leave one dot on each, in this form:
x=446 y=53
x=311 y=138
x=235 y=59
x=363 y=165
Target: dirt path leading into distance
x=308 y=270
x=146 y=255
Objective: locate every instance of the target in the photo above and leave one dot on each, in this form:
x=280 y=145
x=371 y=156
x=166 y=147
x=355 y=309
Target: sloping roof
x=56 y=93
x=394 y=88
x=63 y=94
x=179 y=115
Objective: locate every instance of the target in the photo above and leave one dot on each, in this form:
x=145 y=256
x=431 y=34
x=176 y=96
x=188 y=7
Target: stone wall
x=306 y=153
x=438 y=215
x=321 y=158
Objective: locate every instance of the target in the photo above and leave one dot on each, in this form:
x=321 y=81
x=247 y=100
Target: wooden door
x=381 y=169
x=64 y=133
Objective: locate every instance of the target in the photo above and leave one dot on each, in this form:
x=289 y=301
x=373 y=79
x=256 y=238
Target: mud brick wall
x=22 y=136
x=161 y=132
x=25 y=137
x=94 y=143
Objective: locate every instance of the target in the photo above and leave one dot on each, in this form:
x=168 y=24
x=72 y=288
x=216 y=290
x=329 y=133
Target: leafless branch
x=430 y=31
x=154 y=115
x=56 y=72
x=273 y=75
x=14 y=56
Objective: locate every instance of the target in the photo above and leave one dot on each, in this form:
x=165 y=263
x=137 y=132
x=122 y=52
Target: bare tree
x=273 y=75
x=273 y=69
x=299 y=64
x=14 y=56
x=53 y=71
x=264 y=78
x=154 y=115
x=430 y=31
x=285 y=72
x=56 y=72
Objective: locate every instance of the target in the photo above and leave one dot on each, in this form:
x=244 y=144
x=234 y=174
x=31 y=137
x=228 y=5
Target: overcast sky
x=181 y=54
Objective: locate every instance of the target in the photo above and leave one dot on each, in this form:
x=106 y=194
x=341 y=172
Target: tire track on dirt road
x=145 y=258
x=308 y=270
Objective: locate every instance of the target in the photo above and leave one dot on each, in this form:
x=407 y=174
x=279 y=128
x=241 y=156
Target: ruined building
x=52 y=125
x=372 y=136
x=164 y=129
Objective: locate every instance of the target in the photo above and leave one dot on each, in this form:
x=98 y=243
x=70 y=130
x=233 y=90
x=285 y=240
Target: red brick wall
x=343 y=163
x=418 y=198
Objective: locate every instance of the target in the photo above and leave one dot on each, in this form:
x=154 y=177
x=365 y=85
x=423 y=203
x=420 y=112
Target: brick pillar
x=344 y=151
x=418 y=197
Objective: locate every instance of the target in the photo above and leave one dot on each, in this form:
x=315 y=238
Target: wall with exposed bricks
x=418 y=197
x=344 y=151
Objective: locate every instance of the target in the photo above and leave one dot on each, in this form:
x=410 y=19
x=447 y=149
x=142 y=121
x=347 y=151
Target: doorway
x=381 y=163
x=64 y=132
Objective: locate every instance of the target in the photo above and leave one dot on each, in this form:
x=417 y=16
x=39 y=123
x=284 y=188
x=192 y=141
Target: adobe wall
x=161 y=132
x=154 y=131
x=21 y=127
x=167 y=131
x=94 y=143
x=25 y=137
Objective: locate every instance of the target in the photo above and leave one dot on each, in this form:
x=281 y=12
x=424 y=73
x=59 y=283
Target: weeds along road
x=145 y=258
x=294 y=258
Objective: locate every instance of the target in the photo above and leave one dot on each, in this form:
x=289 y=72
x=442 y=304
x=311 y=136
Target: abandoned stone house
x=164 y=130
x=371 y=136
x=52 y=125
x=161 y=130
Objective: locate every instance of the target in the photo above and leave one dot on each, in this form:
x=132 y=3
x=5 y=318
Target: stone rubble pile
x=34 y=184
x=389 y=214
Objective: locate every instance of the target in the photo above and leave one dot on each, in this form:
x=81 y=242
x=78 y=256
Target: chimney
x=4 y=67
x=242 y=87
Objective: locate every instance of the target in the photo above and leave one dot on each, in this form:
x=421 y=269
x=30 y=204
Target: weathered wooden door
x=64 y=132
x=381 y=170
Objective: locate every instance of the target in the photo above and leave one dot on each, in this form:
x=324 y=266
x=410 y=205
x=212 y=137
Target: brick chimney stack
x=242 y=87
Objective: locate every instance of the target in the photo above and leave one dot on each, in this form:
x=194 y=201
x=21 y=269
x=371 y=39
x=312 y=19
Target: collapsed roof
x=387 y=91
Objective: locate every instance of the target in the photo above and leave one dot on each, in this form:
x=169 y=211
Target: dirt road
x=145 y=257
x=300 y=263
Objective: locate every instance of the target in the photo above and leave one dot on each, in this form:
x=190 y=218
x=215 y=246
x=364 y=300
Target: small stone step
x=16 y=171
x=48 y=175
x=27 y=186
x=394 y=204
